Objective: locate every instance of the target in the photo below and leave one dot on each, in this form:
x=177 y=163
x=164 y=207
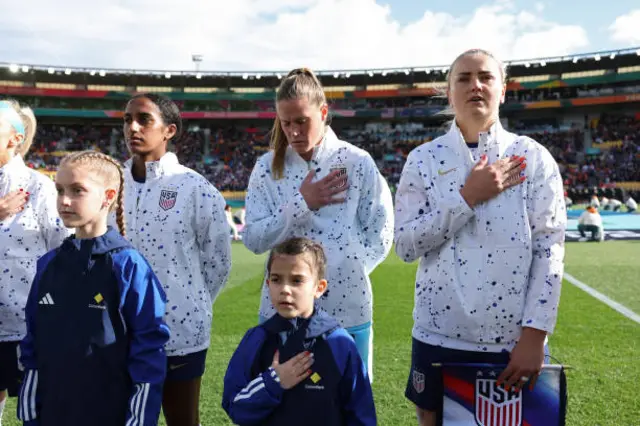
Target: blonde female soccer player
x=483 y=210
x=312 y=184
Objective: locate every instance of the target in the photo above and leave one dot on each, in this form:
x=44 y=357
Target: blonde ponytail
x=279 y=145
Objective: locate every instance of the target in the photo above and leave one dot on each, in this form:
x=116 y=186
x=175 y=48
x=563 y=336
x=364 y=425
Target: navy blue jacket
x=94 y=349
x=338 y=391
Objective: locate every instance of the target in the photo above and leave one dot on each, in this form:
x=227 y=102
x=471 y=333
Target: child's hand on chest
x=294 y=370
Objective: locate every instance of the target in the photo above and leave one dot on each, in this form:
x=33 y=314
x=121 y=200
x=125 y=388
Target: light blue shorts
x=363 y=336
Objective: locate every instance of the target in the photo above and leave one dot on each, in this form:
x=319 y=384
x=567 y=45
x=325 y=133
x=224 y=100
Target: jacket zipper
x=139 y=196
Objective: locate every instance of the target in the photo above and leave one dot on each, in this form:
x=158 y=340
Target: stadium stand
x=583 y=108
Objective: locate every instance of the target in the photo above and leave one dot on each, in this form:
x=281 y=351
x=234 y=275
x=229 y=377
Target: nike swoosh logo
x=444 y=172
x=175 y=367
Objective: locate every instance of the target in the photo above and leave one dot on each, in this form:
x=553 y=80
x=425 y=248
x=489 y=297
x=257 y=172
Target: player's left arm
x=375 y=214
x=548 y=220
x=213 y=238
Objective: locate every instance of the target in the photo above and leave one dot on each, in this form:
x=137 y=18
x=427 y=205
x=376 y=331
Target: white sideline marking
x=604 y=299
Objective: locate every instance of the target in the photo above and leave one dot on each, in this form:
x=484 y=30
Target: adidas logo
x=46 y=300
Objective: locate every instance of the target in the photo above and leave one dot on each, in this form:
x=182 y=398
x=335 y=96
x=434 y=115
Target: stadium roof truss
x=610 y=60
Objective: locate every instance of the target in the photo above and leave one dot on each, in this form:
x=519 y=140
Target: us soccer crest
x=168 y=199
x=418 y=381
x=342 y=174
x=495 y=406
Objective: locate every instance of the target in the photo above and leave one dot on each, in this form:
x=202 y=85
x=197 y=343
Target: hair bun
x=301 y=71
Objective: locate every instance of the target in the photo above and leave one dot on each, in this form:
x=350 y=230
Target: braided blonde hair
x=110 y=170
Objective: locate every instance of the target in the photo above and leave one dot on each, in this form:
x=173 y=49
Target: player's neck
x=5 y=158
x=471 y=129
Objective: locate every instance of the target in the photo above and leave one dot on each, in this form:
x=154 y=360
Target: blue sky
x=594 y=16
x=277 y=35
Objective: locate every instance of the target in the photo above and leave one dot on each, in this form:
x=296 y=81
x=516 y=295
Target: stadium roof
x=608 y=60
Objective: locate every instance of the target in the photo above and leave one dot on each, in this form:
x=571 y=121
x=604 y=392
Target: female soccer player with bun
x=312 y=184
x=483 y=210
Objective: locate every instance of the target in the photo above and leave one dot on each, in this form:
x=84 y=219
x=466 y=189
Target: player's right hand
x=12 y=203
x=319 y=194
x=293 y=371
x=487 y=181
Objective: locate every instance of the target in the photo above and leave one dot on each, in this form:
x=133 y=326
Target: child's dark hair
x=299 y=245
x=168 y=109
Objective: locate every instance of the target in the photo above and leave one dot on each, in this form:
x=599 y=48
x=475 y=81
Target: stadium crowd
x=226 y=155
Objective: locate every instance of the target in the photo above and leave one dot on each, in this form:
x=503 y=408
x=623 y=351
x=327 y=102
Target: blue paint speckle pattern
x=357 y=235
x=176 y=220
x=484 y=272
x=24 y=237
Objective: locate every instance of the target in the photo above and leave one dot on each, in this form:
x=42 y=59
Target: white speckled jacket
x=486 y=272
x=356 y=235
x=24 y=237
x=176 y=220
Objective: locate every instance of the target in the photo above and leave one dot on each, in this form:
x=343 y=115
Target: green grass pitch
x=601 y=345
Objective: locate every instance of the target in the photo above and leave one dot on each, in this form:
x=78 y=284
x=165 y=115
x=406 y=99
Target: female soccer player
x=312 y=184
x=94 y=350
x=483 y=210
x=176 y=218
x=29 y=227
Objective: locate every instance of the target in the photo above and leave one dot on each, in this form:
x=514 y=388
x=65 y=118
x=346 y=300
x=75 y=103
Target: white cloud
x=269 y=34
x=626 y=28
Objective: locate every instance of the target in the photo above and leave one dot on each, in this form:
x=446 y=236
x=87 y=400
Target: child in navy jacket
x=94 y=350
x=300 y=366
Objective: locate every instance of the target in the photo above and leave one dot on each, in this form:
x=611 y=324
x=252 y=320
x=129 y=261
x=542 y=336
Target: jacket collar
x=110 y=241
x=318 y=324
x=485 y=139
x=156 y=168
x=322 y=151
